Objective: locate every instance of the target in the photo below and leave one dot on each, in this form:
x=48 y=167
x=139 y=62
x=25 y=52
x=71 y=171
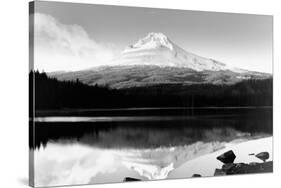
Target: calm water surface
x=102 y=146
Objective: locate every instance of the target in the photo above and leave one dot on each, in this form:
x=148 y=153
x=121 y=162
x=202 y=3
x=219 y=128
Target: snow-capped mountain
x=155 y=59
x=158 y=49
x=151 y=41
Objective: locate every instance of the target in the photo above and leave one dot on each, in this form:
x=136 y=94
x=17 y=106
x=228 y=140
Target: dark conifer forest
x=52 y=94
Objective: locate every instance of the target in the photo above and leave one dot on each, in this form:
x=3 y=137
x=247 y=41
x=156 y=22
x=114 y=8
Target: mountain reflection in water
x=81 y=152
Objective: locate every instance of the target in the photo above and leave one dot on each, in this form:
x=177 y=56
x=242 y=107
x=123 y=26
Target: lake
x=106 y=145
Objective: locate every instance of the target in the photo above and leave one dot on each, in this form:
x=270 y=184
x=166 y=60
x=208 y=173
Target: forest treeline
x=53 y=94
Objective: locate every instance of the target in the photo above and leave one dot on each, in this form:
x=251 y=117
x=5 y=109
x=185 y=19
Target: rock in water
x=196 y=175
x=130 y=179
x=253 y=163
x=228 y=166
x=242 y=168
x=263 y=156
x=227 y=157
x=219 y=172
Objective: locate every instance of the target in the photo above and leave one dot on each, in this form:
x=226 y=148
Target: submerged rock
x=228 y=166
x=196 y=175
x=263 y=156
x=227 y=157
x=253 y=163
x=242 y=168
x=130 y=179
x=219 y=172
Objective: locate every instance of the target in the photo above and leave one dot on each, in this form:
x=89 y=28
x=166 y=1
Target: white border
x=14 y=90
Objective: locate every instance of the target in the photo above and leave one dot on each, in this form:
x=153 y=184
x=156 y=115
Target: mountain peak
x=151 y=41
x=157 y=49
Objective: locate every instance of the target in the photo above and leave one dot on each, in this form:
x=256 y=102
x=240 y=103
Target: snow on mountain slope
x=155 y=59
x=158 y=49
x=151 y=41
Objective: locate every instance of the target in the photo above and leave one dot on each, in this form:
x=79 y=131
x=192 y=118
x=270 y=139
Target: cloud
x=59 y=46
x=59 y=165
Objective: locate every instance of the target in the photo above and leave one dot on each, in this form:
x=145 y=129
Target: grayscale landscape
x=123 y=94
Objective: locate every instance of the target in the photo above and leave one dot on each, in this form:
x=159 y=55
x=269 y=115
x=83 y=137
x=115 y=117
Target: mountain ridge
x=155 y=59
x=145 y=75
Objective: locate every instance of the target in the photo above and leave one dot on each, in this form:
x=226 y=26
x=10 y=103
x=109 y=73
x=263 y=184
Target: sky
x=73 y=36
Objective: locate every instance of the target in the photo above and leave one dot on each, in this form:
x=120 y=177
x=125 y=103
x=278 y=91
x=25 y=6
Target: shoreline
x=195 y=160
x=207 y=164
x=140 y=111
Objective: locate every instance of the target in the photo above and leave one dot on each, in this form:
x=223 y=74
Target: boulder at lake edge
x=263 y=156
x=227 y=157
x=196 y=175
x=130 y=179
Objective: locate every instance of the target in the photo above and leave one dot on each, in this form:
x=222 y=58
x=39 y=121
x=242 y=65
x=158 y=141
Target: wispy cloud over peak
x=59 y=46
